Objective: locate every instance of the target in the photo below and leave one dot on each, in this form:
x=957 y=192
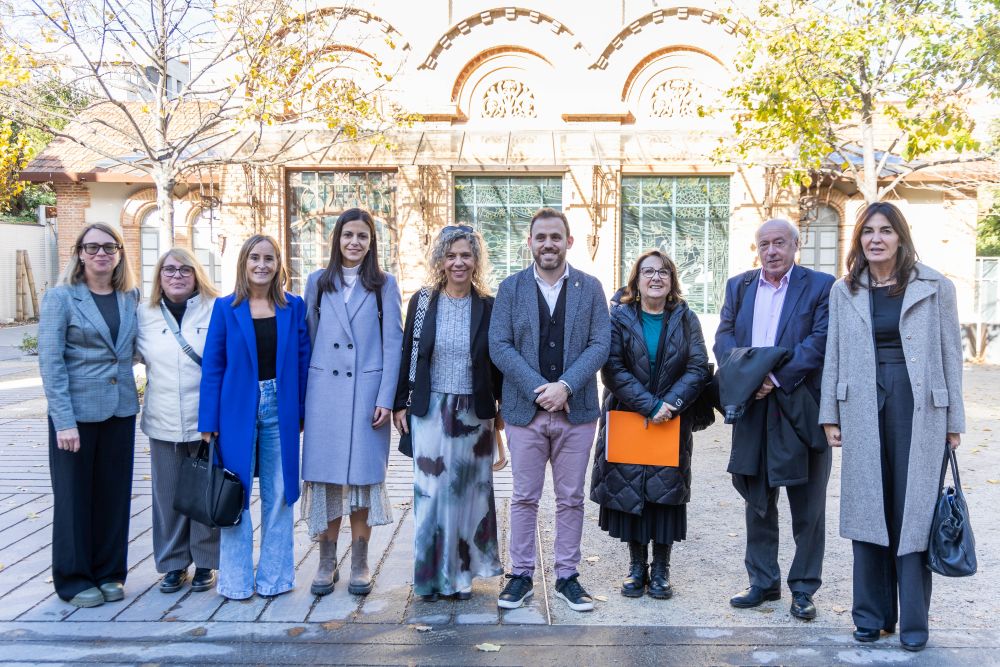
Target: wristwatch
x=569 y=389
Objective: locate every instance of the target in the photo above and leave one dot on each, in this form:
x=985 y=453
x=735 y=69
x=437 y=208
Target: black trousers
x=92 y=493
x=807 y=503
x=888 y=587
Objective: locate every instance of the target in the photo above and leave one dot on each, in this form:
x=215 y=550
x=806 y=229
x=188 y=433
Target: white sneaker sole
x=514 y=604
x=576 y=606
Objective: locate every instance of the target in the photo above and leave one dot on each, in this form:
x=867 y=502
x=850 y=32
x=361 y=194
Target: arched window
x=149 y=248
x=204 y=231
x=820 y=242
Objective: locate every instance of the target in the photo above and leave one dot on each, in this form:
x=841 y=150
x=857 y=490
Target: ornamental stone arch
x=670 y=85
x=700 y=26
x=505 y=25
x=507 y=84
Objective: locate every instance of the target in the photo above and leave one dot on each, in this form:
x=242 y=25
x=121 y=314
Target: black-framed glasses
x=94 y=248
x=184 y=271
x=649 y=272
x=457 y=228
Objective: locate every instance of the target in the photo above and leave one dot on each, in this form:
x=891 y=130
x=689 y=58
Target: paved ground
x=391 y=627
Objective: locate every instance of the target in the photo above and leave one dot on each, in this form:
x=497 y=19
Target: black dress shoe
x=754 y=597
x=867 y=634
x=912 y=647
x=204 y=579
x=173 y=581
x=802 y=606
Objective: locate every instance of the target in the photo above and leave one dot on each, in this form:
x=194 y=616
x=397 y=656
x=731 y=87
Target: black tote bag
x=951 y=550
x=206 y=492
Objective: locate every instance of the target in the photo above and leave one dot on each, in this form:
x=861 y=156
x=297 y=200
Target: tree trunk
x=165 y=203
x=869 y=186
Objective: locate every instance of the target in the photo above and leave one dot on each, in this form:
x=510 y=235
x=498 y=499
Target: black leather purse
x=206 y=492
x=951 y=550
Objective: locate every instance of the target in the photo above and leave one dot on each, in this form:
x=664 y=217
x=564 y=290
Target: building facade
x=595 y=108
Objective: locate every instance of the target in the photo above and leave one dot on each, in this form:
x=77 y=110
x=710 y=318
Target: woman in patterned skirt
x=452 y=406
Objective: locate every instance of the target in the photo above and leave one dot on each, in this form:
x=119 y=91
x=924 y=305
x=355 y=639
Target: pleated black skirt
x=662 y=524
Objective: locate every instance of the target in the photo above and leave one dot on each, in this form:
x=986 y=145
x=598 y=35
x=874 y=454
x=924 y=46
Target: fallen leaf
x=198 y=632
x=2 y=566
x=48 y=580
x=993 y=481
x=332 y=625
x=839 y=610
x=170 y=619
x=146 y=477
x=592 y=559
x=601 y=598
x=421 y=628
x=987 y=429
x=38 y=465
x=975 y=450
x=488 y=648
x=731 y=534
x=296 y=631
x=32 y=515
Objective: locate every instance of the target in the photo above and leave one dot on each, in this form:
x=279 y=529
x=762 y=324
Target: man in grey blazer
x=549 y=335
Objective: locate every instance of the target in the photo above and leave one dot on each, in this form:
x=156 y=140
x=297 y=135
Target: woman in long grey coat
x=892 y=405
x=353 y=313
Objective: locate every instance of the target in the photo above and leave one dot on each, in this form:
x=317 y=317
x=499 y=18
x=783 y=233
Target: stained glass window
x=819 y=241
x=317 y=198
x=686 y=217
x=501 y=208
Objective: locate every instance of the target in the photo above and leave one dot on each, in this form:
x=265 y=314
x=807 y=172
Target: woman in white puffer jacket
x=172 y=330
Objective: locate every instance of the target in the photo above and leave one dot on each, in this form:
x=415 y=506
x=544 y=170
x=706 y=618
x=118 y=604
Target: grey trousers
x=807 y=503
x=177 y=540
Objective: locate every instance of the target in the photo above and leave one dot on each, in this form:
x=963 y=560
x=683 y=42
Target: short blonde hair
x=122 y=279
x=276 y=292
x=203 y=285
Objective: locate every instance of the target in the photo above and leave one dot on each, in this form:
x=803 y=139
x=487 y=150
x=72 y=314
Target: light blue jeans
x=275 y=565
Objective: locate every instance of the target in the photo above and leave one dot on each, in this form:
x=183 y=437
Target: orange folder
x=632 y=438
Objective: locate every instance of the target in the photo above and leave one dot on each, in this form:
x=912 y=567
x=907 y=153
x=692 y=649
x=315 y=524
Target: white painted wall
x=40 y=244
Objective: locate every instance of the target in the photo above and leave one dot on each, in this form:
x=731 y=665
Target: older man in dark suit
x=781 y=305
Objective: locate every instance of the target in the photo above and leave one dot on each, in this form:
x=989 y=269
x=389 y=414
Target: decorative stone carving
x=509 y=99
x=677 y=98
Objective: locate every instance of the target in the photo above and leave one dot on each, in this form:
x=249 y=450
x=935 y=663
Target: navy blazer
x=230 y=394
x=802 y=327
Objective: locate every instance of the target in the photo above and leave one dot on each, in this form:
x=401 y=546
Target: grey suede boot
x=327 y=573
x=361 y=578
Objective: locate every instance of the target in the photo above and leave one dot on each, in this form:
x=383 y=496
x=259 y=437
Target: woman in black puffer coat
x=658 y=366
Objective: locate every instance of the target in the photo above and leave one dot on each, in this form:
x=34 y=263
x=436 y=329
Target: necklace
x=454 y=300
x=883 y=283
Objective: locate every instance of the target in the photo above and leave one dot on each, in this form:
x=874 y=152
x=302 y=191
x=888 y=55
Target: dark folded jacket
x=772 y=436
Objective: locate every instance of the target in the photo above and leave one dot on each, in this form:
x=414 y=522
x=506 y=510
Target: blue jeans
x=275 y=565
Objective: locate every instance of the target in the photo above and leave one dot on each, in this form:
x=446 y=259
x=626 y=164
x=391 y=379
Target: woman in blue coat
x=253 y=387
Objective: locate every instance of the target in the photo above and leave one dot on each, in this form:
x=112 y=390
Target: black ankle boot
x=659 y=573
x=638 y=575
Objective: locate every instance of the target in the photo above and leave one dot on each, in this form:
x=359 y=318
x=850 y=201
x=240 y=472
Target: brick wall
x=72 y=201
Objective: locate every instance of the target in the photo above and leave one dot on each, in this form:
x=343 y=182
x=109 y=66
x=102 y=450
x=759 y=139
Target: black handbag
x=951 y=550
x=206 y=492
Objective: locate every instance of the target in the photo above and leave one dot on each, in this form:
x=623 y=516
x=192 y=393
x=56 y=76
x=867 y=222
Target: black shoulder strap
x=378 y=304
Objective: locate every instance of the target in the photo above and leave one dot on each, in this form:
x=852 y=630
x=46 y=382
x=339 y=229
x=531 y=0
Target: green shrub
x=29 y=344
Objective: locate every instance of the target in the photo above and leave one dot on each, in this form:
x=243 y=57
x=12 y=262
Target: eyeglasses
x=457 y=228
x=93 y=248
x=649 y=272
x=182 y=271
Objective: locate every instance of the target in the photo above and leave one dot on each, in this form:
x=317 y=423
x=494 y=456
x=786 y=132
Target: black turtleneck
x=176 y=309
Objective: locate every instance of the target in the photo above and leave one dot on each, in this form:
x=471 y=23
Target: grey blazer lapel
x=127 y=304
x=917 y=290
x=85 y=303
x=574 y=296
x=528 y=290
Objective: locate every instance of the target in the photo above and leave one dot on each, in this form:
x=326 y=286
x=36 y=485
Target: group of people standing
x=871 y=363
